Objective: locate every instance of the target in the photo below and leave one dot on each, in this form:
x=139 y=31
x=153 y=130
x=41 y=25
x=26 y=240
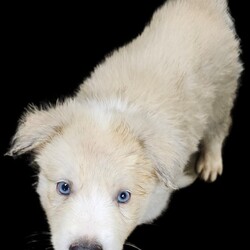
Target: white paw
x=209 y=166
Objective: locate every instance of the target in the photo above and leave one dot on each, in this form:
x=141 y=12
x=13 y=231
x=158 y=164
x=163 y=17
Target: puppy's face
x=101 y=172
x=94 y=183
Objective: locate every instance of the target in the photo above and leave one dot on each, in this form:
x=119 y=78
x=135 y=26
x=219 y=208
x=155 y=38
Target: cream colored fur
x=141 y=122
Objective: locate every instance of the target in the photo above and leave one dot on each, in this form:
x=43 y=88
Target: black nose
x=85 y=246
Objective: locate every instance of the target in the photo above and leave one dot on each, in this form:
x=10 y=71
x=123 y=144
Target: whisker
x=132 y=245
x=35 y=234
x=49 y=248
x=38 y=240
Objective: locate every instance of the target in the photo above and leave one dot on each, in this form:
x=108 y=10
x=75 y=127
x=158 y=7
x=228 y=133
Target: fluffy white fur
x=147 y=115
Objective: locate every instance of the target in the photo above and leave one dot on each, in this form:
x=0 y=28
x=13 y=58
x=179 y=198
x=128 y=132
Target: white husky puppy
x=110 y=157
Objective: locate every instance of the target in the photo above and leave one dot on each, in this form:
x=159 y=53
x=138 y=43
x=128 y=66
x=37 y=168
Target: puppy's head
x=95 y=180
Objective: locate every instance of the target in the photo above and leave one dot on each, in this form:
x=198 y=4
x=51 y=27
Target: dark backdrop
x=46 y=53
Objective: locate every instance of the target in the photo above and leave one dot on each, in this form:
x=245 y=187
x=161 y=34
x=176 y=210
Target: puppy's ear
x=162 y=145
x=165 y=161
x=36 y=127
x=170 y=162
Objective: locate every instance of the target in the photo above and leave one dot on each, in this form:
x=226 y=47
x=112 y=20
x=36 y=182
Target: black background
x=46 y=53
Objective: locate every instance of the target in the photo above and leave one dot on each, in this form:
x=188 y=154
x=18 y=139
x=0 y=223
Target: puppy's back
x=191 y=39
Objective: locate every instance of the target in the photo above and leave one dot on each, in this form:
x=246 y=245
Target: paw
x=209 y=167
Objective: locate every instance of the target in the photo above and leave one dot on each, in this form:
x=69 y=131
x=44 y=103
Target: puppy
x=147 y=121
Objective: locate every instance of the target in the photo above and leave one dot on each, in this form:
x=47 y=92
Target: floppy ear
x=36 y=127
x=170 y=163
x=170 y=159
x=162 y=144
x=165 y=161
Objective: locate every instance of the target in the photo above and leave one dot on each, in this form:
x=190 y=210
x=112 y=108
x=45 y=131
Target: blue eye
x=123 y=197
x=63 y=188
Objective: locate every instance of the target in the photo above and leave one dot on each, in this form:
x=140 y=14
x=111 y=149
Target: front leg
x=210 y=165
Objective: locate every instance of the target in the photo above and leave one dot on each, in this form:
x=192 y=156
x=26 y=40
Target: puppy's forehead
x=82 y=150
